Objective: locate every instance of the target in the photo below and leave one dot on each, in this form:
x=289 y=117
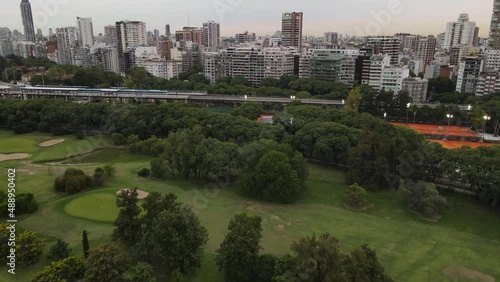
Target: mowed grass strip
x=96 y=206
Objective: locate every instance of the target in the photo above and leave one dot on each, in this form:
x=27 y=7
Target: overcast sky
x=259 y=16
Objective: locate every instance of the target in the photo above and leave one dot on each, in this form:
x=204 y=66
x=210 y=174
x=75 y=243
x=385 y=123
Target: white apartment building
x=129 y=34
x=212 y=66
x=66 y=42
x=86 y=32
x=461 y=32
x=162 y=68
x=377 y=64
x=146 y=53
x=391 y=78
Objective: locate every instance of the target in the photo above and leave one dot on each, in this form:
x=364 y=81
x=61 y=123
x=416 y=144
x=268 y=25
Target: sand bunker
x=51 y=143
x=9 y=157
x=140 y=194
x=459 y=272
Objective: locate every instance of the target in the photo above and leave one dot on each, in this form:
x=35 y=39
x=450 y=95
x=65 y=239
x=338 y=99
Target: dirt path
x=50 y=143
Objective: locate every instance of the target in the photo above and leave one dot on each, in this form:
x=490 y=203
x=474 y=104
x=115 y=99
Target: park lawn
x=410 y=248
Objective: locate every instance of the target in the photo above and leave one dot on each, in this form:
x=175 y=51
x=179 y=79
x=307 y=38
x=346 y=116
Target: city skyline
x=258 y=16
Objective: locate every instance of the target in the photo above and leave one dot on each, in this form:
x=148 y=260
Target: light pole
x=486 y=119
x=449 y=116
x=292 y=97
x=407 y=111
x=385 y=116
x=469 y=108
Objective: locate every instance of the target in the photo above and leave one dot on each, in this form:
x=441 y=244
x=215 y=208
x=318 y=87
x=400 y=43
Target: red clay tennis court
x=438 y=132
x=450 y=144
x=434 y=129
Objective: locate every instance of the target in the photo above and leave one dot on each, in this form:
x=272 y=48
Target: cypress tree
x=85 y=243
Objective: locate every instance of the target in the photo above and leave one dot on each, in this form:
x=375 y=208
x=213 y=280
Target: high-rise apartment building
x=305 y=64
x=489 y=82
x=386 y=45
x=460 y=32
x=187 y=34
x=440 y=40
x=5 y=33
x=253 y=63
x=211 y=34
x=331 y=37
x=391 y=78
x=39 y=34
x=426 y=49
x=377 y=65
x=245 y=37
x=492 y=60
x=494 y=39
x=156 y=34
x=66 y=43
x=86 y=32
x=6 y=48
x=168 y=34
x=108 y=58
x=164 y=49
x=29 y=28
x=129 y=34
x=278 y=62
x=110 y=36
x=362 y=71
x=457 y=53
x=408 y=42
x=166 y=69
x=468 y=74
x=291 y=29
x=335 y=65
x=416 y=87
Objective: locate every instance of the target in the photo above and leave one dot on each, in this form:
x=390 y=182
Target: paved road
x=27 y=93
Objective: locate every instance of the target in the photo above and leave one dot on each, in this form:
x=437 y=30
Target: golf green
x=96 y=206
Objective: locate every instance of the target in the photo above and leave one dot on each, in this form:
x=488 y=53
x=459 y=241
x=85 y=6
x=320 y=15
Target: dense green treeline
x=379 y=154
